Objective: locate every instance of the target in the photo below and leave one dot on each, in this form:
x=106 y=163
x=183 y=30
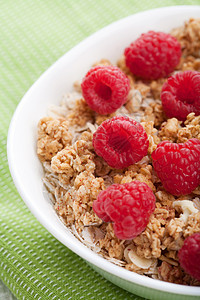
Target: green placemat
x=33 y=35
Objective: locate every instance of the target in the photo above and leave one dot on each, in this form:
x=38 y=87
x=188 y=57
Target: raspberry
x=128 y=206
x=121 y=141
x=180 y=95
x=153 y=55
x=178 y=166
x=189 y=255
x=105 y=89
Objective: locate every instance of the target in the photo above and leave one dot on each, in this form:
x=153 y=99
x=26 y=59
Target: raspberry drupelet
x=178 y=166
x=105 y=89
x=128 y=206
x=180 y=95
x=153 y=55
x=121 y=142
x=189 y=255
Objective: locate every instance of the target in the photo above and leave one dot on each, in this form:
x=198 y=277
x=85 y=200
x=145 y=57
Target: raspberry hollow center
x=187 y=95
x=103 y=91
x=119 y=141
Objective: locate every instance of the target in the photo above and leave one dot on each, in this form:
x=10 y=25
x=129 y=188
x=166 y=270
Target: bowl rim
x=84 y=252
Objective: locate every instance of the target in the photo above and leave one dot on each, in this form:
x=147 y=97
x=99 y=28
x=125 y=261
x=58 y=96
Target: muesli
x=75 y=174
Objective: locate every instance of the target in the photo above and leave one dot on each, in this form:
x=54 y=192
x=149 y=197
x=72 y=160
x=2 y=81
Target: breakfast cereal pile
x=75 y=175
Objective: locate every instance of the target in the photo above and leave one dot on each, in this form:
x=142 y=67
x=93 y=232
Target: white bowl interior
x=24 y=165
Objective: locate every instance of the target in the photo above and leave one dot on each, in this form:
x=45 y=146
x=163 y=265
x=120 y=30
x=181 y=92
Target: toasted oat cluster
x=75 y=174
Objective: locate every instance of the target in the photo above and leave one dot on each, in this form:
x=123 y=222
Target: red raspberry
x=180 y=94
x=153 y=55
x=105 y=89
x=189 y=255
x=121 y=141
x=128 y=206
x=178 y=166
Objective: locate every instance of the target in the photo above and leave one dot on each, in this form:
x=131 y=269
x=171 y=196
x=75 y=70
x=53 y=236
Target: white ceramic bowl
x=25 y=167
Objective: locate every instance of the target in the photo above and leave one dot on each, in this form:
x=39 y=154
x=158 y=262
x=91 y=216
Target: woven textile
x=33 y=35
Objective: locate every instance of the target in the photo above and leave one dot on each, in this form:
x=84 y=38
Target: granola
x=74 y=174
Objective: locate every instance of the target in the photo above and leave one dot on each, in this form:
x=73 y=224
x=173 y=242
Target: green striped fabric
x=33 y=35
